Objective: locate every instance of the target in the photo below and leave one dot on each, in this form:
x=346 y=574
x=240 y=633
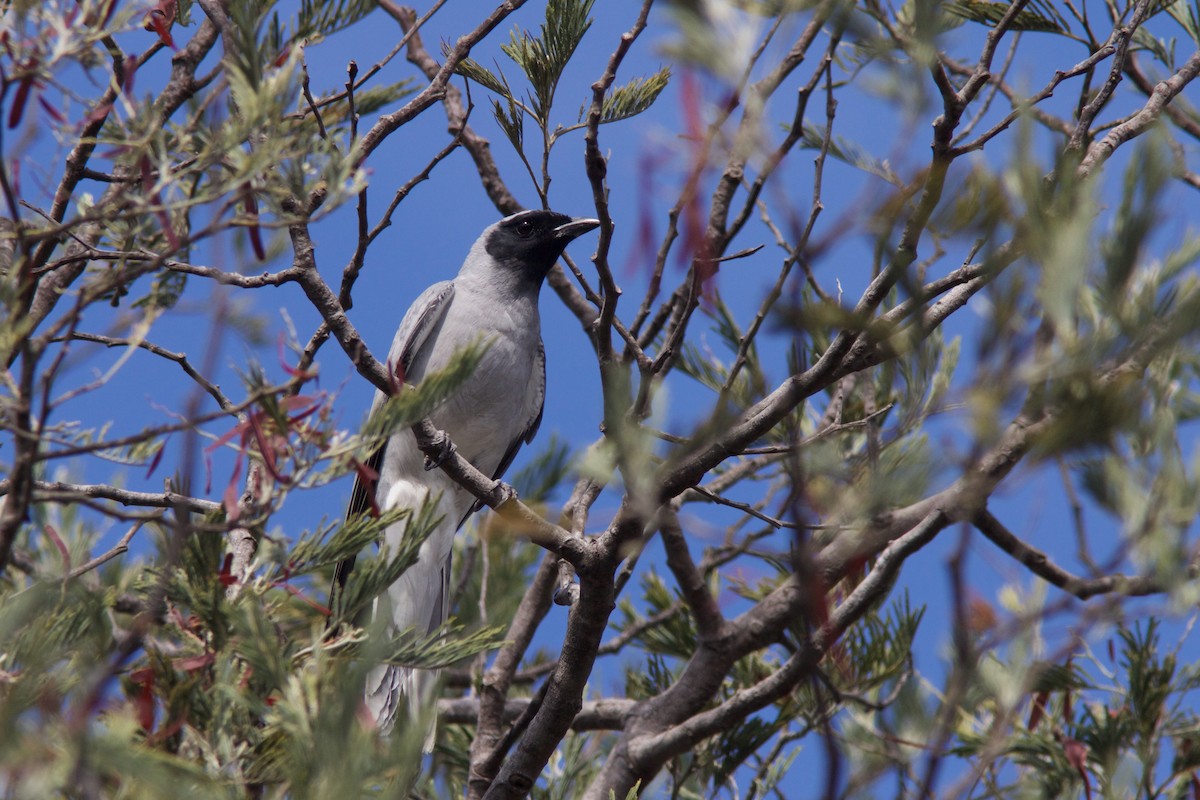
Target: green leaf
x=1060 y=678
x=1187 y=14
x=1161 y=50
x=634 y=97
x=543 y=58
x=511 y=122
x=136 y=454
x=634 y=792
x=850 y=153
x=945 y=373
x=322 y=17
x=321 y=548
x=545 y=472
x=375 y=573
x=528 y=53
x=566 y=23
x=442 y=648
x=990 y=13
x=472 y=70
x=165 y=291
x=673 y=636
x=1136 y=218
x=413 y=403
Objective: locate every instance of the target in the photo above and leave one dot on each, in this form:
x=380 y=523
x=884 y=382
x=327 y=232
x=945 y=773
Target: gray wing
x=530 y=429
x=422 y=317
x=411 y=339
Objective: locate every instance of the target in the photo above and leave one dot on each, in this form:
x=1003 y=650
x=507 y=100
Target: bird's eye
x=525 y=228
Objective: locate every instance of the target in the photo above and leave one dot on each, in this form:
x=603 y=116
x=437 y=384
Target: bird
x=493 y=300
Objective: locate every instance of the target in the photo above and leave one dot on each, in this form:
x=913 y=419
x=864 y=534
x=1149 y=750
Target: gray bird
x=494 y=299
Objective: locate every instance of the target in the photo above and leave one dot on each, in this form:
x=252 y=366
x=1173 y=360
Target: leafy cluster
x=541 y=60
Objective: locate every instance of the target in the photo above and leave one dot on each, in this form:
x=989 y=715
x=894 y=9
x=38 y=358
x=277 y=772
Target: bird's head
x=526 y=245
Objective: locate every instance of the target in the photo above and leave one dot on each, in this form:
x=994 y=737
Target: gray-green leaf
x=634 y=97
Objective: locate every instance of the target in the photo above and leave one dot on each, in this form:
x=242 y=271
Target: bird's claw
x=445 y=448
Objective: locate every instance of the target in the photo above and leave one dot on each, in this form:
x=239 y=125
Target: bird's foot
x=445 y=448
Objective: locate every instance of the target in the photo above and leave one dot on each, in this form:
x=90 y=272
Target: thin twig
x=1040 y=564
x=120 y=548
x=179 y=358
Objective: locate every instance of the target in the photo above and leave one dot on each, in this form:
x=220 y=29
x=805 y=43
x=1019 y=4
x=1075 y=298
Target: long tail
x=419 y=601
x=390 y=687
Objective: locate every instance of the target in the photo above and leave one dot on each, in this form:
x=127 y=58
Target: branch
x=318 y=292
x=499 y=496
x=564 y=690
x=26 y=442
x=188 y=424
x=642 y=756
x=389 y=123
x=1120 y=38
x=794 y=134
x=179 y=89
x=477 y=146
x=745 y=508
x=709 y=620
x=595 y=715
x=959 y=501
x=968 y=495
x=492 y=708
x=1180 y=117
x=983 y=68
x=243 y=538
x=683 y=473
x=1164 y=91
x=237 y=279
x=1040 y=564
x=179 y=358
x=352 y=269
x=60 y=492
x=759 y=93
x=597 y=170
x=462 y=680
x=119 y=548
x=1024 y=106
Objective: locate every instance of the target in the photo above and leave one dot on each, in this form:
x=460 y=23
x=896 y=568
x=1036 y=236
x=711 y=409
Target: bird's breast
x=493 y=406
x=488 y=410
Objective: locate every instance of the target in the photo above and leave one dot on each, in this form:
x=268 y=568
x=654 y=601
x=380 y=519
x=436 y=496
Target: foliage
x=886 y=300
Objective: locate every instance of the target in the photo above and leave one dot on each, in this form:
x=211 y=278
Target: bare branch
x=595 y=715
x=389 y=123
x=1164 y=92
x=1040 y=564
x=1120 y=39
x=179 y=358
x=120 y=548
x=709 y=619
x=492 y=707
x=597 y=169
x=60 y=492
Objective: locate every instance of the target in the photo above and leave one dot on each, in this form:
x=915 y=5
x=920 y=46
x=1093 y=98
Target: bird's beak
x=576 y=227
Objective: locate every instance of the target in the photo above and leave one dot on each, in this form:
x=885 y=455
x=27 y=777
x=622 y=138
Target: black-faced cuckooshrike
x=493 y=300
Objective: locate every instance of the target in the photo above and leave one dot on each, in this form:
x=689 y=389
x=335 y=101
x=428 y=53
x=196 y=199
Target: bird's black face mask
x=530 y=242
